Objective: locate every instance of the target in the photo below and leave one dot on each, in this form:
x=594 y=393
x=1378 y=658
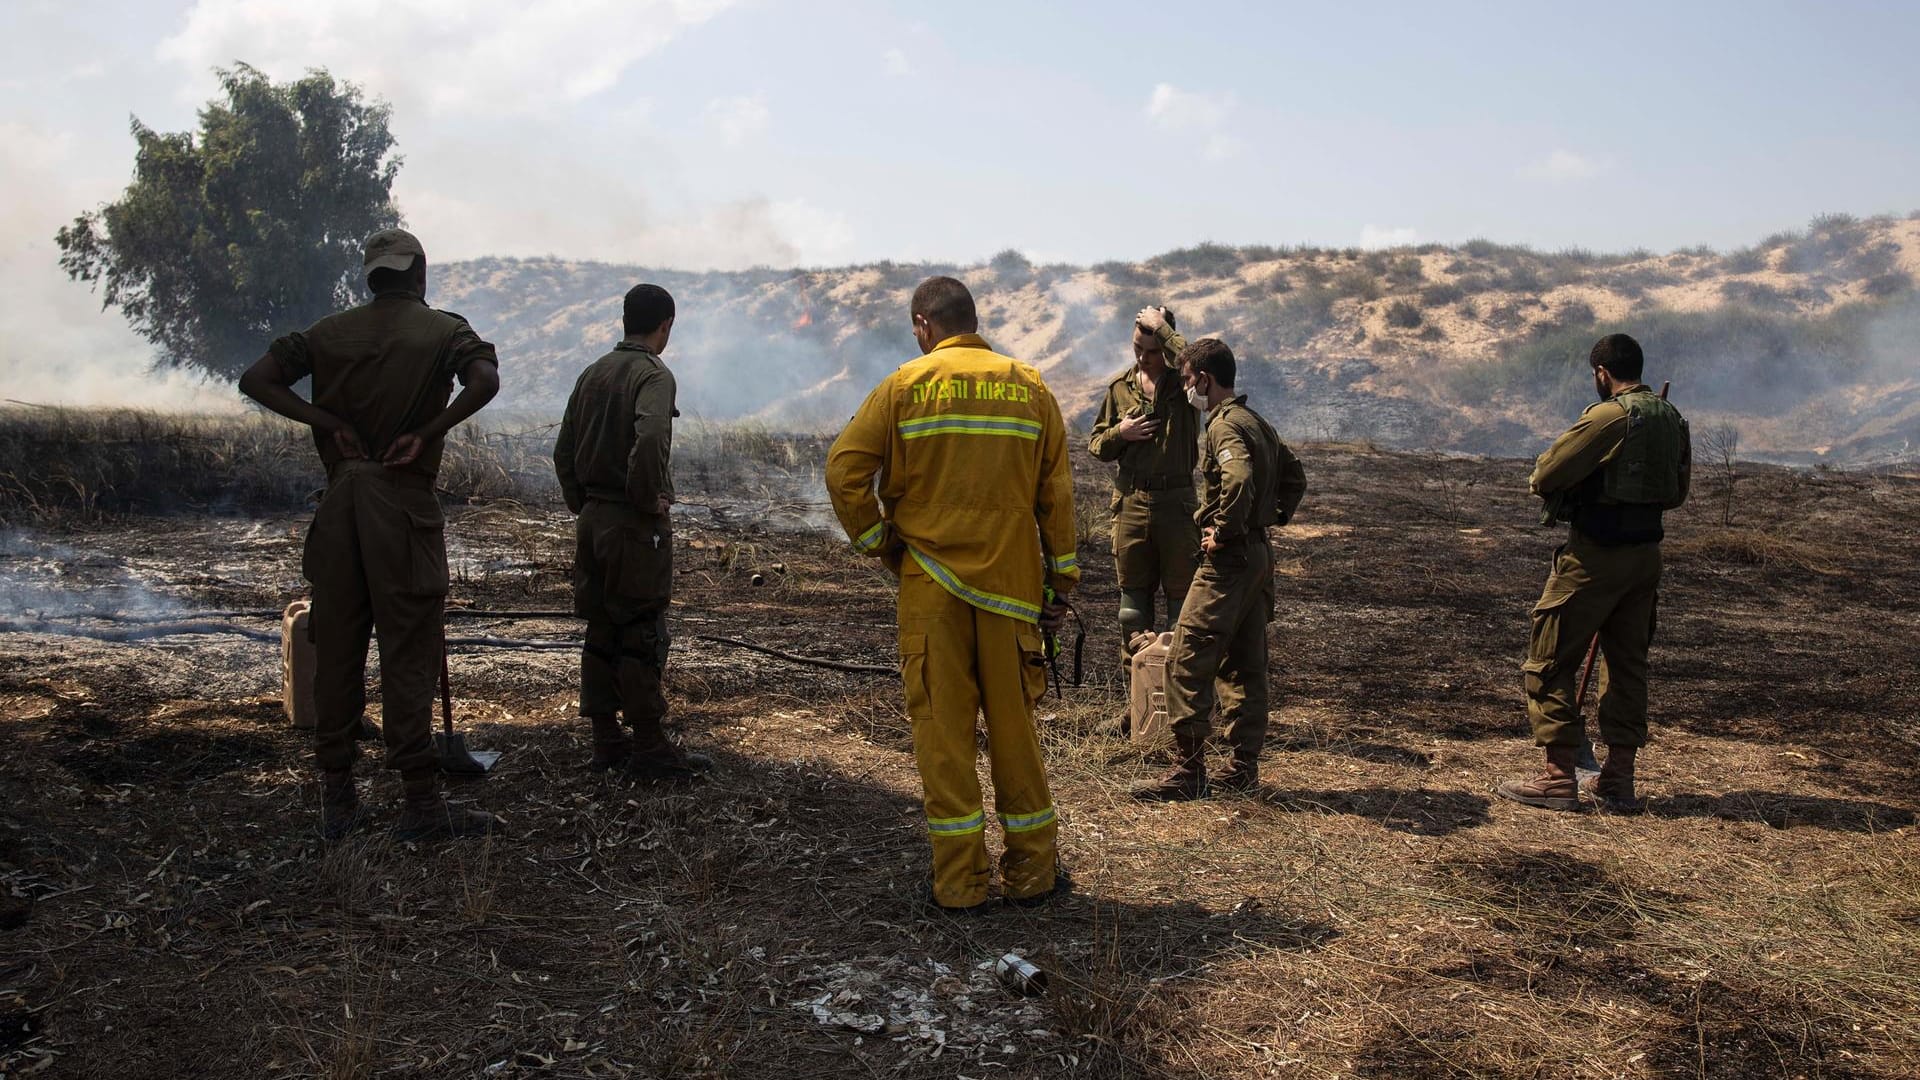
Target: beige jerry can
x=1147 y=711
x=296 y=665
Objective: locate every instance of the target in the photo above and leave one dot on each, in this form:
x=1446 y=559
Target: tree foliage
x=248 y=231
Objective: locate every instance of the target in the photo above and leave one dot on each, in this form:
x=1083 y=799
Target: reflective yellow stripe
x=986 y=601
x=958 y=826
x=1069 y=561
x=1026 y=822
x=870 y=540
x=957 y=424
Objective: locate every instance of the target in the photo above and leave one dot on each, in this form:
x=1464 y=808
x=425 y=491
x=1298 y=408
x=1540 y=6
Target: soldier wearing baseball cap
x=392 y=249
x=376 y=553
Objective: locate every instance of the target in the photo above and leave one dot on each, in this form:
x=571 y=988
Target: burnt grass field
x=1373 y=911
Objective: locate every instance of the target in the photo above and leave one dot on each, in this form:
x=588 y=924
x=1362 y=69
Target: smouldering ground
x=1372 y=912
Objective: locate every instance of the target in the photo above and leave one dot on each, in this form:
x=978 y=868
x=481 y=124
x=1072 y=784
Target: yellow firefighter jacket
x=970 y=455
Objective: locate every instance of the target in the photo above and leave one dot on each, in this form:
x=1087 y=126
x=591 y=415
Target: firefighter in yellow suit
x=954 y=472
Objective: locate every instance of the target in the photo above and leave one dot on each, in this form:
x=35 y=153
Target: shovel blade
x=456 y=759
x=1586 y=765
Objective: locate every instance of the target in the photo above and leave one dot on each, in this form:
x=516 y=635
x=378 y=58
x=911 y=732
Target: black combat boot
x=1187 y=780
x=611 y=744
x=426 y=814
x=657 y=759
x=1553 y=789
x=1612 y=790
x=1242 y=774
x=340 y=809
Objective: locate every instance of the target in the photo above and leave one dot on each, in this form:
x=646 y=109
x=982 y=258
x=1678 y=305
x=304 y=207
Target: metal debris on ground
x=927 y=1005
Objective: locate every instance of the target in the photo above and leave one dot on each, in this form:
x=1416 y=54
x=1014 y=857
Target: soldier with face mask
x=1610 y=478
x=1251 y=481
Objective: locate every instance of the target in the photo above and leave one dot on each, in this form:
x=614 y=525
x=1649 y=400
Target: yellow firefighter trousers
x=376 y=555
x=957 y=661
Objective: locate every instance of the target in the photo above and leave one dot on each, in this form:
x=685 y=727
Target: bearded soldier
x=1611 y=477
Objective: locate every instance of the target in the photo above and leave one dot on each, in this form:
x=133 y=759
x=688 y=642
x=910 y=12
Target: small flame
x=805 y=320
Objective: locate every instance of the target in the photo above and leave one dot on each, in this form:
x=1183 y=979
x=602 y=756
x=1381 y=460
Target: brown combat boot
x=611 y=744
x=656 y=759
x=1239 y=775
x=1186 y=781
x=340 y=809
x=1612 y=790
x=1553 y=789
x=427 y=815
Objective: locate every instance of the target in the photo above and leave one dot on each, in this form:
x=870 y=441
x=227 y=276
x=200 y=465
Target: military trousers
x=1219 y=653
x=622 y=582
x=376 y=556
x=957 y=662
x=1609 y=591
x=1156 y=547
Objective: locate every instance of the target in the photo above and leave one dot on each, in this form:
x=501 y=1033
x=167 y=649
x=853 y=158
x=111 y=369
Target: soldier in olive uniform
x=1146 y=424
x=376 y=553
x=1219 y=653
x=1610 y=477
x=614 y=460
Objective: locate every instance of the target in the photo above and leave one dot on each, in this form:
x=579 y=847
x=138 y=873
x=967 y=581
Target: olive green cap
x=392 y=249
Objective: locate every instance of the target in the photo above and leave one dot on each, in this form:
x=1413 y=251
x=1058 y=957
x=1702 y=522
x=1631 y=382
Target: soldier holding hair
x=1146 y=425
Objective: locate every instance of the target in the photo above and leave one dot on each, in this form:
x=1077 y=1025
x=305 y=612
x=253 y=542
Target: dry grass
x=1374 y=911
x=1757 y=547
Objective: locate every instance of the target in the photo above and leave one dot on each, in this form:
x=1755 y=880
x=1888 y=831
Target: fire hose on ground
x=146 y=627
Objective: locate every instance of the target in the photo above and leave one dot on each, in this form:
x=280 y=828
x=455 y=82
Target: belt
x=1153 y=483
x=363 y=467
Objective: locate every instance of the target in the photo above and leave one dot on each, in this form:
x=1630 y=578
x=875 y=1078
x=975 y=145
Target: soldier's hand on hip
x=662 y=503
x=403 y=451
x=1137 y=428
x=348 y=442
x=1207 y=543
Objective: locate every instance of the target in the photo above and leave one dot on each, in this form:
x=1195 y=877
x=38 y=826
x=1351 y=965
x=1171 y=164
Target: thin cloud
x=1561 y=166
x=1199 y=115
x=896 y=62
x=738 y=120
x=1387 y=236
x=443 y=56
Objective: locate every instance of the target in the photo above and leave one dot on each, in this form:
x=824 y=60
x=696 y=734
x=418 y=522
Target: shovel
x=455 y=758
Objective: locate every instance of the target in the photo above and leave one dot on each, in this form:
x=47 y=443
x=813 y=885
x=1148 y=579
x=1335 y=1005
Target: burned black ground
x=1373 y=911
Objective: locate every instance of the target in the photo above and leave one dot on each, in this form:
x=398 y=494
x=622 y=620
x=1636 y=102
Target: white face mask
x=1196 y=399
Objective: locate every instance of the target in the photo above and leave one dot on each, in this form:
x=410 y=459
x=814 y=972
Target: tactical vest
x=1646 y=469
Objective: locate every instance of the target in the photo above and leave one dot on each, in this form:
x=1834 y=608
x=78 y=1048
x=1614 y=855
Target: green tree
x=251 y=230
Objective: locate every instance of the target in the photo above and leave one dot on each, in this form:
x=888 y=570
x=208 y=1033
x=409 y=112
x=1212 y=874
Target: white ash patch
x=930 y=1007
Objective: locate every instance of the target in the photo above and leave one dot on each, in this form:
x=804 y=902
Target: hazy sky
x=725 y=133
